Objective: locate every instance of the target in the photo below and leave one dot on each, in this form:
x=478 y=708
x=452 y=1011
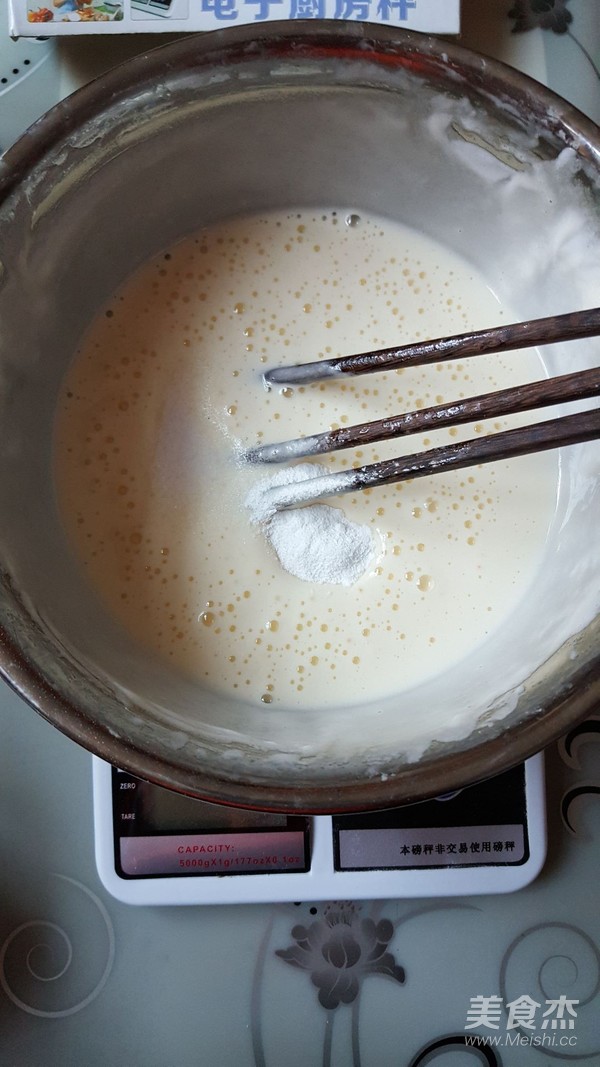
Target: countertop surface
x=87 y=981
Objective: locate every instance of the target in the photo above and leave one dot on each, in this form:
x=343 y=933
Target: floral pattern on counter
x=551 y=15
x=546 y=14
x=39 y=953
x=340 y=950
x=546 y=959
x=572 y=799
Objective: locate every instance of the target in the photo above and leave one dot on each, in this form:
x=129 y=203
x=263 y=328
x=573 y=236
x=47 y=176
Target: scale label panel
x=248 y=853
x=482 y=825
x=390 y=849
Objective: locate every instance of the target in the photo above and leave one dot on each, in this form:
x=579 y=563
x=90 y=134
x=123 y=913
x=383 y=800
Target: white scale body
x=157 y=847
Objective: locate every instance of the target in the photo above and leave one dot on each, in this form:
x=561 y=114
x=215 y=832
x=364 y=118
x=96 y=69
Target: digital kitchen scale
x=154 y=846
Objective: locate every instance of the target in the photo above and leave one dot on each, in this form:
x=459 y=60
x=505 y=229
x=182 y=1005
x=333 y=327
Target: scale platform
x=154 y=846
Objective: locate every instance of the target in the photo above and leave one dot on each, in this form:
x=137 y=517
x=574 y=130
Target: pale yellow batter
x=165 y=388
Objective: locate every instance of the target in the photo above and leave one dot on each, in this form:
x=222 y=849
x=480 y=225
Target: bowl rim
x=341 y=39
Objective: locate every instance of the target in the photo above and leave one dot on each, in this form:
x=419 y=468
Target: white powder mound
x=319 y=544
x=316 y=543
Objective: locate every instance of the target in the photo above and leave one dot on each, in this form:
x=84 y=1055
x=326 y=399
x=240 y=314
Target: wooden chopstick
x=549 y=330
x=578 y=386
x=554 y=433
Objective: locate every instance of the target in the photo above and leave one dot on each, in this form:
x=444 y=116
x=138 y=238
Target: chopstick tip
x=300 y=373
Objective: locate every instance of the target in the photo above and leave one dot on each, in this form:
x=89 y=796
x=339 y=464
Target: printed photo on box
x=75 y=11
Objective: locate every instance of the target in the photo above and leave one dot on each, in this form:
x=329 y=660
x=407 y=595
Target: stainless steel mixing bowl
x=243 y=120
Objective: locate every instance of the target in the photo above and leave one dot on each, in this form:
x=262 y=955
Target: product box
x=35 y=18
